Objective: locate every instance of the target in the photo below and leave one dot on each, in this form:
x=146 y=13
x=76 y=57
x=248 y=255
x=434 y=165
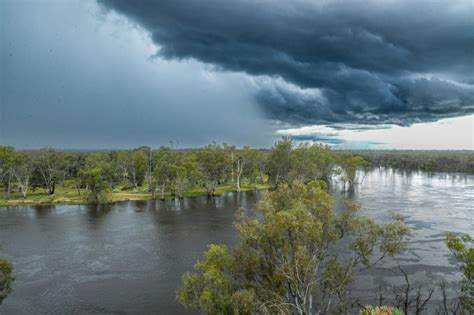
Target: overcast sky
x=120 y=74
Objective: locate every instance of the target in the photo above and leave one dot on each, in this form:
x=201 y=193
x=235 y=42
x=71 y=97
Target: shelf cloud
x=333 y=62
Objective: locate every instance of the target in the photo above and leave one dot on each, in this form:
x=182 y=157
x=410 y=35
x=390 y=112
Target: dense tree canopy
x=169 y=172
x=6 y=279
x=292 y=258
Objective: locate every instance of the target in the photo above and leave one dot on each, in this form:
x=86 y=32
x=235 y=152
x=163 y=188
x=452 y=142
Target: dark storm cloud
x=328 y=61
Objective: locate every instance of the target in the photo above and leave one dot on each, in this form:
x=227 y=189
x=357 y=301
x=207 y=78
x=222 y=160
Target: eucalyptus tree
x=6 y=279
x=22 y=170
x=349 y=165
x=232 y=159
x=295 y=256
x=50 y=165
x=247 y=165
x=212 y=163
x=164 y=172
x=139 y=165
x=7 y=161
x=97 y=174
x=279 y=160
x=311 y=162
x=187 y=173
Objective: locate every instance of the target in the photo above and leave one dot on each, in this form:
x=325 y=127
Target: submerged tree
x=349 y=165
x=6 y=279
x=291 y=258
x=212 y=162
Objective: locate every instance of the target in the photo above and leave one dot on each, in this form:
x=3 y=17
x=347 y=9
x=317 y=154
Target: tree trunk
x=239 y=172
x=9 y=182
x=232 y=164
x=52 y=188
x=163 y=192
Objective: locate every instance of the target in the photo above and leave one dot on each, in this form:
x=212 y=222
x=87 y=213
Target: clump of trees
x=168 y=171
x=295 y=256
x=6 y=279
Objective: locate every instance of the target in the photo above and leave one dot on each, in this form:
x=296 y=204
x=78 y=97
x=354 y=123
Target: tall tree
x=139 y=166
x=187 y=173
x=246 y=165
x=97 y=175
x=291 y=258
x=49 y=163
x=349 y=165
x=22 y=171
x=212 y=161
x=279 y=161
x=311 y=162
x=164 y=172
x=7 y=162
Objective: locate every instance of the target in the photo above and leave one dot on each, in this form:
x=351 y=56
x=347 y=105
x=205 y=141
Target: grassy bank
x=70 y=195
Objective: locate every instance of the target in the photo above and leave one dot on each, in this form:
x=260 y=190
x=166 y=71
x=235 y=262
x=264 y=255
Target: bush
x=6 y=279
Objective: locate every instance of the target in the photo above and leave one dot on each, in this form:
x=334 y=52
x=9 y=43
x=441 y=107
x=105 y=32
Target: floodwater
x=129 y=257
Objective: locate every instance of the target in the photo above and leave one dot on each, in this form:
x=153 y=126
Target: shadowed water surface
x=129 y=257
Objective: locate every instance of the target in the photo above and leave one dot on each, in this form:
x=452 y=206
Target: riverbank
x=69 y=195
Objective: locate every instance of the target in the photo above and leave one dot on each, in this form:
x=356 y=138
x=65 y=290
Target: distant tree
x=139 y=165
x=212 y=163
x=187 y=173
x=97 y=174
x=279 y=160
x=7 y=162
x=165 y=171
x=349 y=165
x=312 y=162
x=50 y=164
x=232 y=160
x=291 y=258
x=6 y=279
x=22 y=170
x=247 y=165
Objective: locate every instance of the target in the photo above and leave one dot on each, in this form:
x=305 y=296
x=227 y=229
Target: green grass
x=70 y=195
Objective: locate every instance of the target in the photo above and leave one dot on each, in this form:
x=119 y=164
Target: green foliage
x=311 y=162
x=284 y=262
x=6 y=279
x=96 y=174
x=49 y=165
x=463 y=249
x=381 y=310
x=213 y=164
x=139 y=165
x=279 y=161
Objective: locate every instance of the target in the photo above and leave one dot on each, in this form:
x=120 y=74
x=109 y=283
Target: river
x=129 y=257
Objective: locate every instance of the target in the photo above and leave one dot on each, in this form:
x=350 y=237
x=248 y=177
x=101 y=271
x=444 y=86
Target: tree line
x=427 y=161
x=168 y=171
